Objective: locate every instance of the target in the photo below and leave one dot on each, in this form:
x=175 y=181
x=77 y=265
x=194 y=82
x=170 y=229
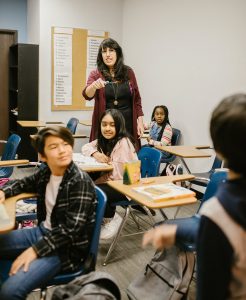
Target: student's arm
x=90 y=149
x=25 y=185
x=214 y=259
x=94 y=83
x=73 y=224
x=123 y=152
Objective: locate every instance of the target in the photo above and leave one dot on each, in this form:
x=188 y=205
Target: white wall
x=93 y=14
x=187 y=55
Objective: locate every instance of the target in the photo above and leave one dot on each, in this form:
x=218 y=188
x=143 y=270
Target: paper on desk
x=164 y=191
x=4 y=217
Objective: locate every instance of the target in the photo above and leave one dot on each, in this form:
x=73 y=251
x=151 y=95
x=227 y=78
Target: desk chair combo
x=150 y=164
x=89 y=262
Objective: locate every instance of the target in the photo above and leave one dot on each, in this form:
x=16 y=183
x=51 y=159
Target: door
x=7 y=38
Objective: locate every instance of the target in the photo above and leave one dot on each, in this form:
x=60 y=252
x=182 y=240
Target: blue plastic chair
x=190 y=225
x=72 y=125
x=202 y=179
x=9 y=153
x=150 y=164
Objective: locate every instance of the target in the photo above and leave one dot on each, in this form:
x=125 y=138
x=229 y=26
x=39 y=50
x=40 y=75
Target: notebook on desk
x=88 y=161
x=164 y=191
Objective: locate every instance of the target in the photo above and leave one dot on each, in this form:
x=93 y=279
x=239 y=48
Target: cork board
x=73 y=56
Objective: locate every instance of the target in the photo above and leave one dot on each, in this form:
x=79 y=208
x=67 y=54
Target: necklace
x=115 y=89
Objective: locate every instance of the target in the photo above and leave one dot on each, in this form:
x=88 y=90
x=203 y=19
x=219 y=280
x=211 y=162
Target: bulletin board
x=74 y=52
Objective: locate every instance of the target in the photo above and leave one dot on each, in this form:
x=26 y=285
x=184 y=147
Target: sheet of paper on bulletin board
x=74 y=54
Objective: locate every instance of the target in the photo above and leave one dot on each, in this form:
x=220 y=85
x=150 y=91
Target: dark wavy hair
x=228 y=131
x=38 y=141
x=120 y=69
x=106 y=146
x=165 y=121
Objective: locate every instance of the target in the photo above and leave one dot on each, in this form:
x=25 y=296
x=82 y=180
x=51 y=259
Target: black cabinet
x=23 y=94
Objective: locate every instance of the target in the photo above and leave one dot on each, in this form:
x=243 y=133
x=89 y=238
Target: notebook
x=164 y=191
x=4 y=217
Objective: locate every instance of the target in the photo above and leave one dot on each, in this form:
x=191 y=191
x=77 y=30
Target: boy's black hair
x=228 y=131
x=165 y=121
x=120 y=69
x=39 y=139
x=106 y=146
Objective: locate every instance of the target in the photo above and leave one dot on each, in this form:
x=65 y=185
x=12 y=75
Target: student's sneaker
x=109 y=229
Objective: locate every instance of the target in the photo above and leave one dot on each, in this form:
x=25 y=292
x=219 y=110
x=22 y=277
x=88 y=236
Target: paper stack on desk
x=164 y=191
x=4 y=217
x=80 y=159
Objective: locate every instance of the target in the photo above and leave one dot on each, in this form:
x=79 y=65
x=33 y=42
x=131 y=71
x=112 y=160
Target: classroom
x=186 y=55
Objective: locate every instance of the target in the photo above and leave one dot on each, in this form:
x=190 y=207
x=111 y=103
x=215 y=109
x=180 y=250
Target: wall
x=13 y=15
x=102 y=15
x=186 y=55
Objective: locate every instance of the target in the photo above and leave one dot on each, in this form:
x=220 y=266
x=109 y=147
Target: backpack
x=167 y=276
x=93 y=286
x=171 y=169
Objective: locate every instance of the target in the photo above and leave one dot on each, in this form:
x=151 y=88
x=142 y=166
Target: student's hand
x=2 y=197
x=161 y=236
x=100 y=157
x=23 y=260
x=98 y=84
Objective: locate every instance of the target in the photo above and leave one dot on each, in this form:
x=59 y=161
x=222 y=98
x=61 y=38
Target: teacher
x=114 y=85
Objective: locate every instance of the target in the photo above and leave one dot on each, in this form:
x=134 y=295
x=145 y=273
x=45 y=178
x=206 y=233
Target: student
x=114 y=146
x=66 y=207
x=120 y=93
x=221 y=239
x=160 y=130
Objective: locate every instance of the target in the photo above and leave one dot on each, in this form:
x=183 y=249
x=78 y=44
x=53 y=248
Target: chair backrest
x=101 y=205
x=175 y=141
x=217 y=164
x=9 y=153
x=216 y=179
x=176 y=137
x=72 y=124
x=150 y=161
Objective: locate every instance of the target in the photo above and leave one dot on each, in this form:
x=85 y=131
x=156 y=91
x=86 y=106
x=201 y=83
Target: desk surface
x=186 y=151
x=85 y=122
x=9 y=205
x=14 y=162
x=38 y=123
x=142 y=199
x=102 y=168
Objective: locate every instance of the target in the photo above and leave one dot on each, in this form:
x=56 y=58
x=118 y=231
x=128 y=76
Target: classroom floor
x=128 y=258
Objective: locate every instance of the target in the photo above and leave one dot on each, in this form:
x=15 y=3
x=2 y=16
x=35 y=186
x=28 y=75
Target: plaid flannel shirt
x=72 y=218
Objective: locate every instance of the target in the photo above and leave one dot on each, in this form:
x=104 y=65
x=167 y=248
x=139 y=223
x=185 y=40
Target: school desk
x=89 y=164
x=9 y=206
x=144 y=200
x=85 y=122
x=14 y=162
x=186 y=152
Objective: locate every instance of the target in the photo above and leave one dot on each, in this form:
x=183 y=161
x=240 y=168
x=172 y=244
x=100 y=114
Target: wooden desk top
x=9 y=205
x=31 y=123
x=144 y=200
x=88 y=168
x=186 y=151
x=38 y=123
x=85 y=122
x=15 y=162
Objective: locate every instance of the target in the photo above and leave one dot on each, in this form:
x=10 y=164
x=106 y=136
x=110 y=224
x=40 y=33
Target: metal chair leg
x=115 y=239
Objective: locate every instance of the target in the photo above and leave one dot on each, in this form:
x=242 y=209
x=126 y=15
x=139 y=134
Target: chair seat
x=202 y=179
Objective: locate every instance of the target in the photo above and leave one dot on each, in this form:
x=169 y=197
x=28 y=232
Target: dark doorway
x=7 y=38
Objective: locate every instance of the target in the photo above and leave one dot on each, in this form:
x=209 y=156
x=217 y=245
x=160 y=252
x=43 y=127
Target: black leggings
x=112 y=196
